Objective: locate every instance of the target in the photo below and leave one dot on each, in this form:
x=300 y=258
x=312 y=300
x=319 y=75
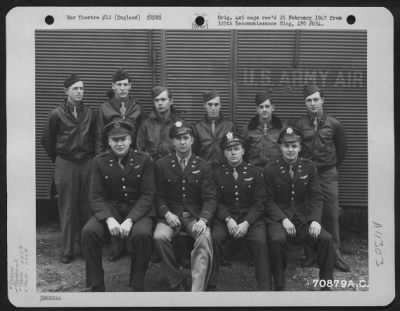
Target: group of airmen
x=140 y=181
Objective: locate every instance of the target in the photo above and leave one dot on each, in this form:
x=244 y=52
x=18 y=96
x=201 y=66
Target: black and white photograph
x=234 y=151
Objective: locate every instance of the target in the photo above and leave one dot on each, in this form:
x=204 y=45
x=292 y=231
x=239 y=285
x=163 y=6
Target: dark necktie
x=235 y=174
x=291 y=172
x=123 y=109
x=183 y=164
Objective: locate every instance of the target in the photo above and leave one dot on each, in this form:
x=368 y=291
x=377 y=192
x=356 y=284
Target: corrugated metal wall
x=237 y=63
x=95 y=55
x=283 y=61
x=196 y=62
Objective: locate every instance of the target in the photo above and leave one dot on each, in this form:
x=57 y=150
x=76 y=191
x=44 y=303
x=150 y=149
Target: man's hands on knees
x=242 y=229
x=172 y=220
x=117 y=229
x=231 y=225
x=113 y=226
x=314 y=229
x=289 y=227
x=199 y=227
x=126 y=227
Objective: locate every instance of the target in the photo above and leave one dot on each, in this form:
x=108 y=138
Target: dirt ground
x=53 y=276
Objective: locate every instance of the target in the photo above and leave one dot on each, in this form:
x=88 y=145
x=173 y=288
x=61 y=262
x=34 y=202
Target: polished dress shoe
x=309 y=262
x=66 y=259
x=341 y=265
x=115 y=257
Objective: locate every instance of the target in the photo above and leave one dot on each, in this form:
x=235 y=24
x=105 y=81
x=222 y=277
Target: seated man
x=121 y=195
x=293 y=186
x=241 y=198
x=185 y=200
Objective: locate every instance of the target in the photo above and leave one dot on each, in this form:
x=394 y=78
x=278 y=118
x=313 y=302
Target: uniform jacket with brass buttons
x=243 y=198
x=110 y=111
x=207 y=144
x=191 y=190
x=70 y=138
x=300 y=195
x=122 y=194
x=327 y=146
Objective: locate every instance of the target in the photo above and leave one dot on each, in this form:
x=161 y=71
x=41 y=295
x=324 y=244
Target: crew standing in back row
x=120 y=106
x=325 y=144
x=69 y=140
x=153 y=135
x=210 y=131
x=261 y=133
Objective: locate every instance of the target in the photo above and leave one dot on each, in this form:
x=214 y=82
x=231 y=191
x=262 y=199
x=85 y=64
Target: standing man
x=261 y=133
x=325 y=144
x=121 y=195
x=153 y=135
x=241 y=199
x=293 y=189
x=185 y=200
x=121 y=106
x=69 y=138
x=210 y=130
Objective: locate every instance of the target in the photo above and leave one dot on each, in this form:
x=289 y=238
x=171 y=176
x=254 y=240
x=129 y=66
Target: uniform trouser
x=72 y=184
x=277 y=244
x=201 y=255
x=330 y=216
x=140 y=238
x=257 y=242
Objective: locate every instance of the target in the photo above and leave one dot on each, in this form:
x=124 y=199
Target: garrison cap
x=157 y=90
x=229 y=140
x=120 y=74
x=209 y=95
x=118 y=128
x=72 y=79
x=262 y=97
x=290 y=134
x=310 y=89
x=180 y=128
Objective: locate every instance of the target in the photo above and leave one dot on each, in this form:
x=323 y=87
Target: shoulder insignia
x=249 y=179
x=303 y=177
x=196 y=172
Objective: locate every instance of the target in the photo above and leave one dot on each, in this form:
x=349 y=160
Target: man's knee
x=325 y=237
x=161 y=236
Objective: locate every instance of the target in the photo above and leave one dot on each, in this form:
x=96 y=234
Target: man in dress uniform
x=185 y=200
x=120 y=106
x=241 y=203
x=210 y=130
x=261 y=133
x=293 y=187
x=121 y=195
x=153 y=136
x=69 y=140
x=325 y=144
